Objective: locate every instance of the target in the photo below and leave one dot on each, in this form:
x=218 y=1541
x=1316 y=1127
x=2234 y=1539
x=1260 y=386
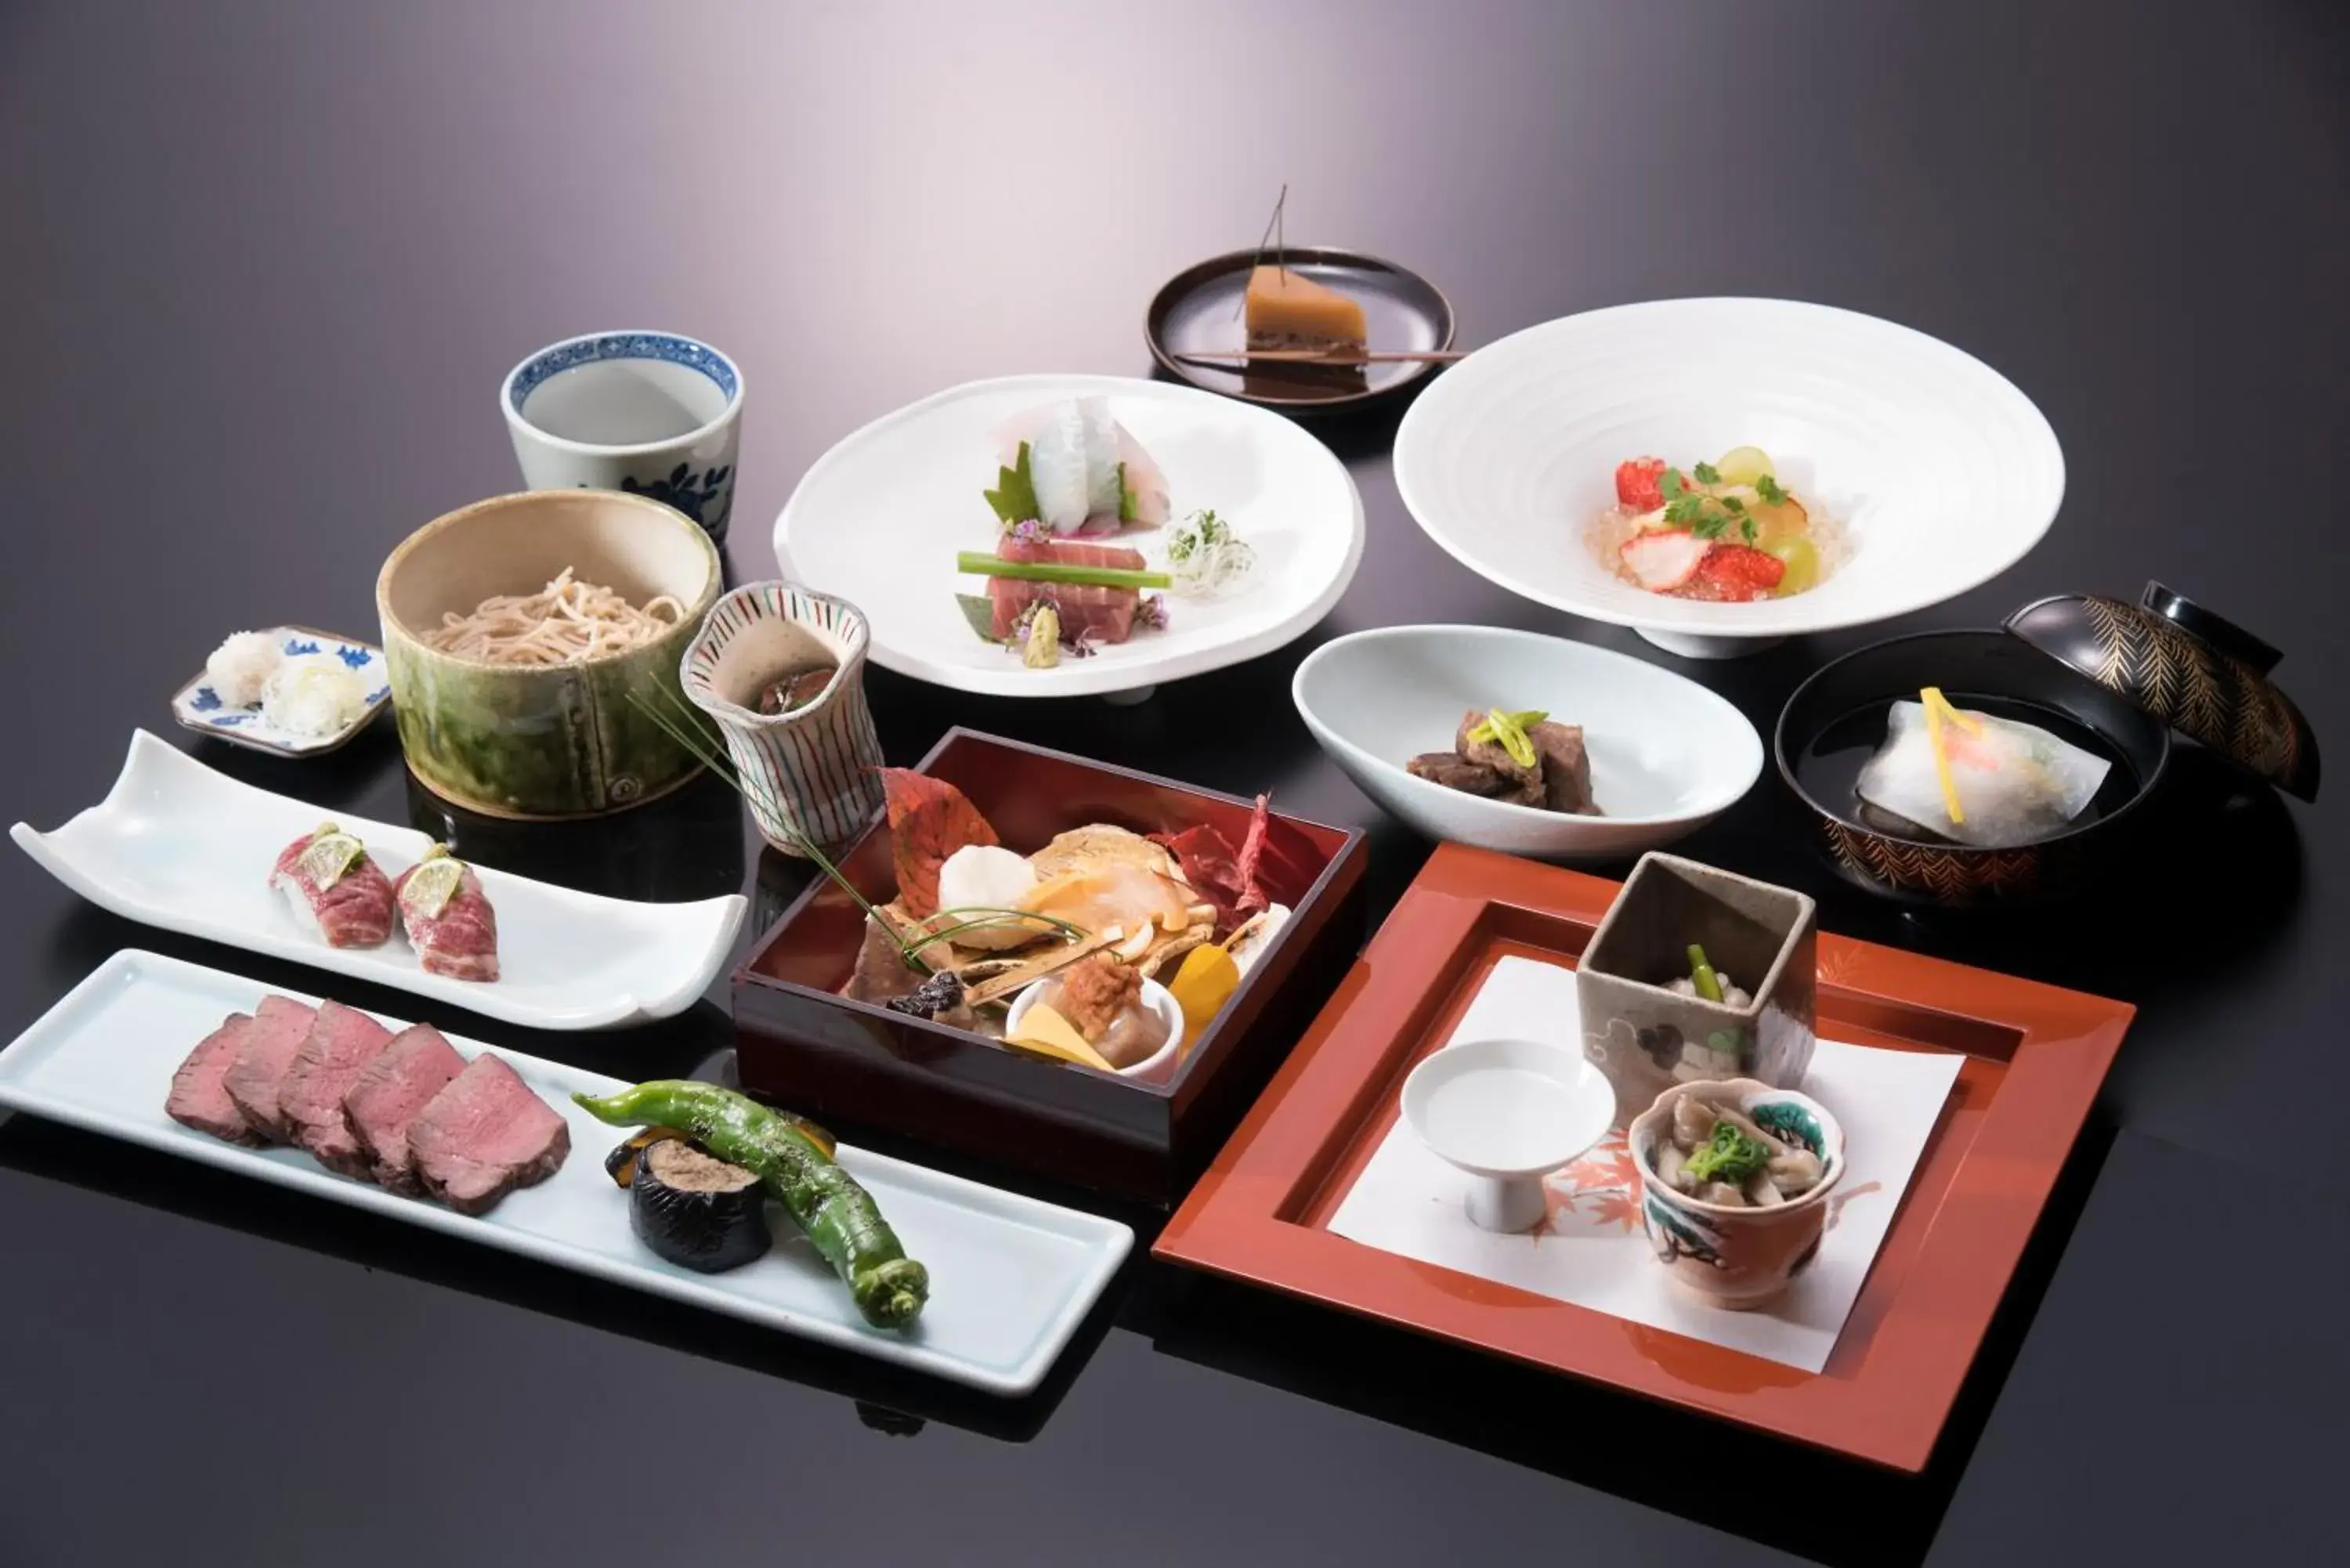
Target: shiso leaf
x=980 y=610
x=1013 y=499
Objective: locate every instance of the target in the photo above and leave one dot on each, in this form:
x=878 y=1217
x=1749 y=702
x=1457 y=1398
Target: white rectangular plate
x=178 y=845
x=1011 y=1277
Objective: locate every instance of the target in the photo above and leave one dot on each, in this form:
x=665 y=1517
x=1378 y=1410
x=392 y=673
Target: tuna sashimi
x=199 y=1095
x=485 y=1135
x=280 y=1024
x=394 y=1087
x=449 y=920
x=341 y=1042
x=335 y=886
x=1100 y=615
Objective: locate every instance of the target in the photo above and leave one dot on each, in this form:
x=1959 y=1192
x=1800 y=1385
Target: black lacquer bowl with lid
x=2109 y=676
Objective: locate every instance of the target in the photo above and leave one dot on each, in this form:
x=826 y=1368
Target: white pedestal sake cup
x=1507 y=1113
x=657 y=414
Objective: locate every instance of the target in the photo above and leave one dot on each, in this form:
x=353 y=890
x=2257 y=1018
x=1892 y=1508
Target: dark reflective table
x=262 y=269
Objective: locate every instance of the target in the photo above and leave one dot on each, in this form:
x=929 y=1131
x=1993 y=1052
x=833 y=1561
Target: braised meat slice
x=1566 y=768
x=1449 y=769
x=1525 y=783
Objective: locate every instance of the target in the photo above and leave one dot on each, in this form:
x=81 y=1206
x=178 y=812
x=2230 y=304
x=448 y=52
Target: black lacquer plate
x=1199 y=312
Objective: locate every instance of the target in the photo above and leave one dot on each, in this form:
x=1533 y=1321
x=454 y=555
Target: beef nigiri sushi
x=1084 y=471
x=447 y=919
x=335 y=887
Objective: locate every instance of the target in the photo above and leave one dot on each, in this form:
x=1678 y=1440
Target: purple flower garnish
x=1152 y=611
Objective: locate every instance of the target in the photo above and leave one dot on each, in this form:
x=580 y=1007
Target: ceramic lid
x=2198 y=673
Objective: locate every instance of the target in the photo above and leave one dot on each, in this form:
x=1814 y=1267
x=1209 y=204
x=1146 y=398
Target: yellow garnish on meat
x=1044 y=1031
x=1202 y=986
x=1938 y=709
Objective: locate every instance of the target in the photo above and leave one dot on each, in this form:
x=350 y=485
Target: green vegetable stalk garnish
x=986 y=566
x=1701 y=975
x=1730 y=1155
x=1508 y=731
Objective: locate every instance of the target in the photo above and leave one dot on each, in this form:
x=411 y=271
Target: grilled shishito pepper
x=839 y=1216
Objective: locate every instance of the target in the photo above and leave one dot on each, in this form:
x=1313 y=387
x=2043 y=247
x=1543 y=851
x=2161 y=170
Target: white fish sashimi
x=1057 y=469
x=1101 y=457
x=1079 y=458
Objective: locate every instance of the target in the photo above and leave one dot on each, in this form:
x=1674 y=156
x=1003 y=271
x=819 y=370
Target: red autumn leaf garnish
x=1209 y=866
x=930 y=819
x=1277 y=862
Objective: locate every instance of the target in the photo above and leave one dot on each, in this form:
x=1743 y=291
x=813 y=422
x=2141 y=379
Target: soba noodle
x=565 y=622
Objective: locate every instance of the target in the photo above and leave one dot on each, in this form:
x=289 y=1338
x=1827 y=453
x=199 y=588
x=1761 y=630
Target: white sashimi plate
x=1942 y=472
x=178 y=845
x=881 y=517
x=1011 y=1277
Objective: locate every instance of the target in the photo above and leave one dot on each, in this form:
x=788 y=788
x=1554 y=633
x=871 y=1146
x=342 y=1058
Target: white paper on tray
x=1591 y=1250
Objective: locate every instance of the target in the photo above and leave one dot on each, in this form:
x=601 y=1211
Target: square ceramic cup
x=652 y=413
x=1648 y=1037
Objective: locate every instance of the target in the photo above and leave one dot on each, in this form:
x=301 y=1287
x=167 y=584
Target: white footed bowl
x=1943 y=474
x=1667 y=755
x=1155 y=1068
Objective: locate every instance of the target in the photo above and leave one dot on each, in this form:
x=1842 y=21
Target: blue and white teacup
x=653 y=413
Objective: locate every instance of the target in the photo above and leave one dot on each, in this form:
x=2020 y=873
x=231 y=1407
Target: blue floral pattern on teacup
x=700 y=496
x=199 y=707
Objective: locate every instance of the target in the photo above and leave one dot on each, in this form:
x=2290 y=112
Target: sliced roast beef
x=389 y=1093
x=199 y=1095
x=279 y=1026
x=341 y=1042
x=483 y=1136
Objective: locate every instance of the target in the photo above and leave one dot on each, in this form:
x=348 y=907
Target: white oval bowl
x=1667 y=755
x=1943 y=472
x=881 y=517
x=1155 y=1068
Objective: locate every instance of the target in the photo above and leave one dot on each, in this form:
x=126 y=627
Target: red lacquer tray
x=2034 y=1058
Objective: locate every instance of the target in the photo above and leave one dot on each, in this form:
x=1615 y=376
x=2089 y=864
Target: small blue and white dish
x=198 y=707
x=657 y=414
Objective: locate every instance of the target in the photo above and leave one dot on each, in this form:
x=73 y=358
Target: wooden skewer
x=1317 y=357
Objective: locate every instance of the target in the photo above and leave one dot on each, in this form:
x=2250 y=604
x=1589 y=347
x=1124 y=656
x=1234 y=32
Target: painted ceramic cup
x=650 y=413
x=1648 y=1037
x=542 y=740
x=1737 y=1258
x=813 y=773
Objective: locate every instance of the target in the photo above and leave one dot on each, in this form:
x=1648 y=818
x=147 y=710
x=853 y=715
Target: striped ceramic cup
x=811 y=773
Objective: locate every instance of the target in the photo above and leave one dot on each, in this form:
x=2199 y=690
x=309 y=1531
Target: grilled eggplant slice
x=688 y=1205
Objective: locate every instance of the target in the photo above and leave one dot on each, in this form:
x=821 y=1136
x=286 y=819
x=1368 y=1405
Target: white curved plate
x=1944 y=473
x=1668 y=756
x=178 y=845
x=1011 y=1277
x=879 y=519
